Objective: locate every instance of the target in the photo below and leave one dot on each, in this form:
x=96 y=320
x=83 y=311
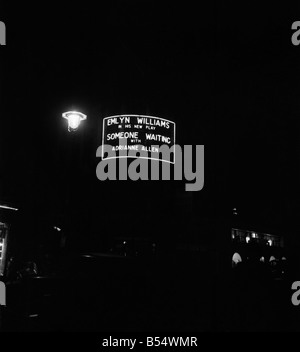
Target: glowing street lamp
x=74 y=118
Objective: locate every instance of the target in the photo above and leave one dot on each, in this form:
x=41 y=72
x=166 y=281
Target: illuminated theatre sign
x=139 y=133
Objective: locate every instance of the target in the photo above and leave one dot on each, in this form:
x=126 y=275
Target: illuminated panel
x=262 y=238
x=138 y=133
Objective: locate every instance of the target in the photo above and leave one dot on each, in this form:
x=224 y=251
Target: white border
x=141 y=157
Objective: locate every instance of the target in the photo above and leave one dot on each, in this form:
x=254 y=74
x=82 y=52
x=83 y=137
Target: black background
x=227 y=73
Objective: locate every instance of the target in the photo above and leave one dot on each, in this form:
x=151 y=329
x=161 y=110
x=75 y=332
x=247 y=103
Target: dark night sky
x=227 y=75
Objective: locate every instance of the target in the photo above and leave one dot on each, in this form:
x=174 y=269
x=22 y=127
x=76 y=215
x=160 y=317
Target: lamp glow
x=74 y=119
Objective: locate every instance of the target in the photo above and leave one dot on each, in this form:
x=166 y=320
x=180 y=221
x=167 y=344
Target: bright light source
x=253 y=235
x=57 y=228
x=7 y=207
x=74 y=118
x=236 y=258
x=270 y=242
x=247 y=239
